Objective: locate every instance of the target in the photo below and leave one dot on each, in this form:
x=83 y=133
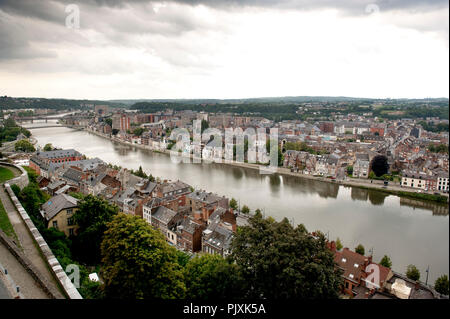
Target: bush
x=360 y=249
x=442 y=285
x=15 y=189
x=24 y=146
x=413 y=273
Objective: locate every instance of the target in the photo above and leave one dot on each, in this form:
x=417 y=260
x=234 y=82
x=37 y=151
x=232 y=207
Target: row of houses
x=191 y=220
x=328 y=165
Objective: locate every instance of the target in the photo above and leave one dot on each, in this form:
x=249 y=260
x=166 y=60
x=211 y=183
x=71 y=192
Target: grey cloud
x=118 y=22
x=46 y=9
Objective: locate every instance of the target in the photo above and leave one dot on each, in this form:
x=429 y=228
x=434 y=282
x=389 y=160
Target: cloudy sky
x=223 y=48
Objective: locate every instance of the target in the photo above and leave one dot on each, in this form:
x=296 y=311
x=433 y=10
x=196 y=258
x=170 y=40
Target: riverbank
x=362 y=184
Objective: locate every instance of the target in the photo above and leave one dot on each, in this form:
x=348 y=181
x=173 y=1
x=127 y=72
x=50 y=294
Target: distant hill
x=285 y=99
x=7 y=102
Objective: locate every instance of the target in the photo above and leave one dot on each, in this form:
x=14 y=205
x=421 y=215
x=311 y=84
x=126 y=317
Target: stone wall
x=21 y=180
x=29 y=267
x=58 y=271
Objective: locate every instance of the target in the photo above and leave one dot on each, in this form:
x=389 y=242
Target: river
x=410 y=232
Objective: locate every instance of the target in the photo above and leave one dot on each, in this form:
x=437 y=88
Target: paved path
x=4 y=294
x=27 y=243
x=27 y=285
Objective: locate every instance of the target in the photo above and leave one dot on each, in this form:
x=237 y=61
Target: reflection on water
x=377 y=198
x=437 y=209
x=405 y=230
x=374 y=197
x=309 y=186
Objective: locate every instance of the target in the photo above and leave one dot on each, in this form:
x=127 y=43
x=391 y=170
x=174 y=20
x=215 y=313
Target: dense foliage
x=379 y=165
x=441 y=148
x=386 y=261
x=288 y=108
x=11 y=130
x=360 y=249
x=280 y=261
x=138 y=263
x=92 y=217
x=412 y=272
x=442 y=285
x=58 y=104
x=24 y=146
x=213 y=277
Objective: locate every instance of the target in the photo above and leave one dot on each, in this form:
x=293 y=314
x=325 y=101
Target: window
x=55 y=224
x=69 y=221
x=71 y=232
x=69 y=211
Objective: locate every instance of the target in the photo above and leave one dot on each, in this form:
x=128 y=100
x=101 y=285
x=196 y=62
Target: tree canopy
x=92 y=217
x=386 y=261
x=360 y=249
x=48 y=147
x=280 y=261
x=212 y=277
x=412 y=272
x=339 y=245
x=233 y=204
x=138 y=263
x=24 y=146
x=441 y=285
x=379 y=165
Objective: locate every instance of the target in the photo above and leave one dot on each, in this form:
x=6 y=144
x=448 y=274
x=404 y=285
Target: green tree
x=24 y=146
x=338 y=244
x=212 y=277
x=379 y=165
x=204 y=125
x=441 y=285
x=140 y=173
x=350 y=170
x=257 y=211
x=245 y=209
x=138 y=263
x=108 y=121
x=412 y=272
x=360 y=249
x=280 y=261
x=386 y=261
x=48 y=147
x=234 y=204
x=92 y=217
x=138 y=131
x=182 y=258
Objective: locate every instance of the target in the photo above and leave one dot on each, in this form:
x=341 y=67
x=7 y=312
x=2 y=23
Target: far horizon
x=228 y=99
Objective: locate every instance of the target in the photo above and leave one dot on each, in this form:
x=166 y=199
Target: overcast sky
x=224 y=48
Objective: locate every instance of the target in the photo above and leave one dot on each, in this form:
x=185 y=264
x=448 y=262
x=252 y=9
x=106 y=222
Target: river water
x=410 y=232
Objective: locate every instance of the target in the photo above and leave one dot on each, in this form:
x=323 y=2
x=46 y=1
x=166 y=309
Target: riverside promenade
x=392 y=188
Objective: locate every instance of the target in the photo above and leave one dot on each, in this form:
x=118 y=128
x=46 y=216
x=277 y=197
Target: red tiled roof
x=347 y=259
